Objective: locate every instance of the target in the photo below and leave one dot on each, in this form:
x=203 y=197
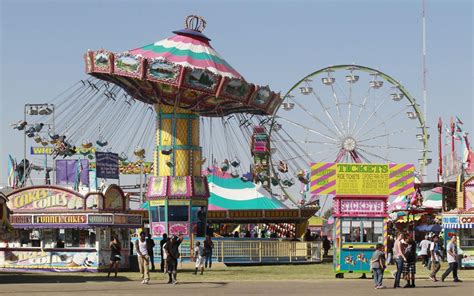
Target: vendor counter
x=74 y=250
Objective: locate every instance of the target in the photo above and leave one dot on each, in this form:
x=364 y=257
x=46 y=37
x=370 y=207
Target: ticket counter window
x=178 y=213
x=466 y=237
x=366 y=231
x=79 y=238
x=158 y=214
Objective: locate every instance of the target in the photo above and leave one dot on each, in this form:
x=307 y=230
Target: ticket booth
x=361 y=223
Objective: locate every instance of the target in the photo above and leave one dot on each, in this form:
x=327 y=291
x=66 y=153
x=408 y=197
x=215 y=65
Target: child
x=199 y=257
x=409 y=266
x=377 y=264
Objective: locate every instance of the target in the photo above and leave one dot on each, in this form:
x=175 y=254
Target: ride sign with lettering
x=360 y=179
x=47 y=198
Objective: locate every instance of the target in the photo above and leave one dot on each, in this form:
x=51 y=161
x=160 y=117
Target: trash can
x=133 y=261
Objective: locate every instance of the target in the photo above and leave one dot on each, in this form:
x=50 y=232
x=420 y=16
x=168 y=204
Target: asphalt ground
x=100 y=285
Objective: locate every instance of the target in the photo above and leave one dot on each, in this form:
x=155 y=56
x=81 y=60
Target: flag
x=11 y=172
x=448 y=130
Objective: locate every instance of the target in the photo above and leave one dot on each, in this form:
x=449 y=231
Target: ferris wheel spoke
x=338 y=103
x=313 y=116
x=375 y=155
x=361 y=107
x=394 y=115
x=327 y=113
x=306 y=128
x=384 y=135
x=389 y=147
x=308 y=154
x=308 y=142
x=371 y=115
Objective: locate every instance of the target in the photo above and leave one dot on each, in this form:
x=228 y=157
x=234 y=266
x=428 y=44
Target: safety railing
x=257 y=251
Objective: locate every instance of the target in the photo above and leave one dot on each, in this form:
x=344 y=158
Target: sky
x=268 y=42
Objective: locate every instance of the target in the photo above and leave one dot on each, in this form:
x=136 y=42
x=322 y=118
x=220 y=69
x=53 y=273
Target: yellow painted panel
x=196 y=170
x=181 y=132
x=165 y=170
x=182 y=163
x=166 y=135
x=195 y=132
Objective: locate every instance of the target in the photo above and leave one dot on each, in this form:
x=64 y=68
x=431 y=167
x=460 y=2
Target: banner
x=107 y=165
x=70 y=171
x=357 y=179
x=41 y=150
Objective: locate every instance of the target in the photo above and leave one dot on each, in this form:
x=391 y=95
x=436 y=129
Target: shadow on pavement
x=37 y=278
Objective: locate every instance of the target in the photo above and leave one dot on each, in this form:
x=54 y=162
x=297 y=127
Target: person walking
x=389 y=249
x=163 y=241
x=435 y=258
x=143 y=258
x=377 y=264
x=409 y=266
x=172 y=256
x=326 y=246
x=208 y=247
x=399 y=258
x=199 y=257
x=453 y=259
x=424 y=246
x=115 y=257
x=150 y=245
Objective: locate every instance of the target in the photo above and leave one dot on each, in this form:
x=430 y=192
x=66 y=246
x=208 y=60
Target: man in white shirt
x=435 y=258
x=424 y=246
x=452 y=256
x=143 y=258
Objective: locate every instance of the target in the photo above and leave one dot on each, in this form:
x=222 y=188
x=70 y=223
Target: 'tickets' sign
x=360 y=207
x=361 y=179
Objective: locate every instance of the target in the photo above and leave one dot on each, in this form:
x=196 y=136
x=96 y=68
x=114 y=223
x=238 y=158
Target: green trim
x=178 y=116
x=187 y=53
x=178 y=147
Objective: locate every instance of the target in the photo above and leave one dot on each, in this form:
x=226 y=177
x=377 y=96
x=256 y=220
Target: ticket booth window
x=178 y=213
x=158 y=214
x=467 y=237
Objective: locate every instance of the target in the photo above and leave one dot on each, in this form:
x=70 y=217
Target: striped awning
x=457 y=225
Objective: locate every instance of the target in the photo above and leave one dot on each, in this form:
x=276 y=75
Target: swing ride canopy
x=183 y=71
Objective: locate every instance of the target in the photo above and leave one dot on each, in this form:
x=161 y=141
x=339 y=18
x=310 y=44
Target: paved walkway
x=328 y=287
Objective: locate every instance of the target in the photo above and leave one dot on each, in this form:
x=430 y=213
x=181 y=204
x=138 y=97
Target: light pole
x=35 y=110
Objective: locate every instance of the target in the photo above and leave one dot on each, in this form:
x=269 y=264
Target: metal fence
x=256 y=251
x=248 y=251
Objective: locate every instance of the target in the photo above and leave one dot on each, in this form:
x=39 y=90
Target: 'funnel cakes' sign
x=45 y=198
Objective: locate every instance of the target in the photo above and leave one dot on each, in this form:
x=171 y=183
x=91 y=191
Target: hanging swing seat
x=283 y=167
x=86 y=145
x=102 y=143
x=166 y=151
x=235 y=162
x=235 y=175
x=139 y=152
x=122 y=157
x=275 y=181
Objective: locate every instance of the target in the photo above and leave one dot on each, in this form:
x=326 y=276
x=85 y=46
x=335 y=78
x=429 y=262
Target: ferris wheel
x=346 y=113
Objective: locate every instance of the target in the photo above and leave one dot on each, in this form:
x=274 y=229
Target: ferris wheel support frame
x=395 y=83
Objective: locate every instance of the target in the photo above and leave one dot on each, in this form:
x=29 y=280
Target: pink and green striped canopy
x=189 y=51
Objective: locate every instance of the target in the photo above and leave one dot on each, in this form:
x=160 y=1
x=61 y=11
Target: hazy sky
x=268 y=42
